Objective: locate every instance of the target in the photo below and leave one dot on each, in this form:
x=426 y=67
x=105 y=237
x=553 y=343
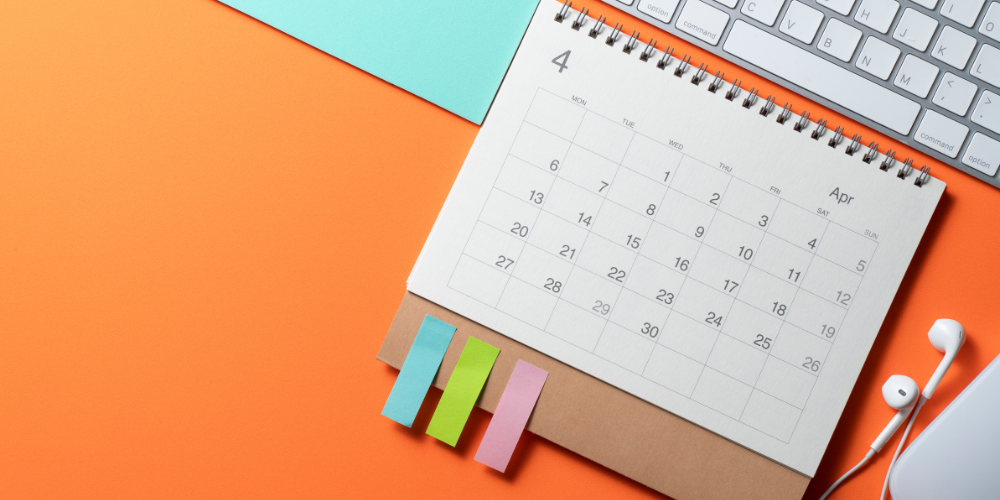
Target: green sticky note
x=463 y=388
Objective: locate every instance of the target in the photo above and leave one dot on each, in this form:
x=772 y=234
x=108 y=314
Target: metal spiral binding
x=820 y=129
x=630 y=44
x=890 y=158
x=837 y=136
x=803 y=121
x=648 y=51
x=922 y=178
x=767 y=106
x=854 y=146
x=596 y=30
x=712 y=87
x=683 y=66
x=700 y=74
x=906 y=169
x=665 y=61
x=613 y=37
x=566 y=7
x=580 y=19
x=785 y=114
x=871 y=154
x=734 y=90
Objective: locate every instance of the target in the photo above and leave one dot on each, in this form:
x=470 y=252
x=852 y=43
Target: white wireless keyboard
x=925 y=72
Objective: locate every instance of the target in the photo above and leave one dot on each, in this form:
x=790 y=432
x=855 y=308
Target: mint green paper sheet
x=454 y=53
x=462 y=391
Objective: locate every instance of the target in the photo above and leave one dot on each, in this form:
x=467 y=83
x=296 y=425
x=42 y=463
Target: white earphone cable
x=902 y=442
x=854 y=469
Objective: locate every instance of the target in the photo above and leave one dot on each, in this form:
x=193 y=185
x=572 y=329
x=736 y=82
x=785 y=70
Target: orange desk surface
x=205 y=230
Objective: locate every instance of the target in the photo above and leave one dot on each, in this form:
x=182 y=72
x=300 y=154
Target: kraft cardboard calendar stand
x=606 y=424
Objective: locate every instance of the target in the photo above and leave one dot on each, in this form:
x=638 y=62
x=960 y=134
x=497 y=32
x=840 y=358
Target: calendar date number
x=762 y=342
x=504 y=262
x=714 y=319
x=650 y=330
x=811 y=364
x=828 y=331
x=617 y=274
x=519 y=229
x=601 y=308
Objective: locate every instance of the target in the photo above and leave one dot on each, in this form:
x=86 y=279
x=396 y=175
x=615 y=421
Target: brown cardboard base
x=606 y=424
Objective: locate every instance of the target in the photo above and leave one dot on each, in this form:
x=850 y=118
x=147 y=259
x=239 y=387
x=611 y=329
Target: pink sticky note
x=512 y=414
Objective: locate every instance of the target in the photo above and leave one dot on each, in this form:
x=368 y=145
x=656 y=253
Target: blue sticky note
x=454 y=53
x=419 y=368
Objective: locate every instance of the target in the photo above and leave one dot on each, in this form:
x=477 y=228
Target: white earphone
x=901 y=393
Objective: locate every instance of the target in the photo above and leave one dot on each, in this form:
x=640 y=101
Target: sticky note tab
x=516 y=404
x=419 y=368
x=463 y=389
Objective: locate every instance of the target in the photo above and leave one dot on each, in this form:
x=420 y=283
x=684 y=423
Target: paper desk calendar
x=730 y=268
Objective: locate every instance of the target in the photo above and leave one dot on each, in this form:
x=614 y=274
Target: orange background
x=205 y=230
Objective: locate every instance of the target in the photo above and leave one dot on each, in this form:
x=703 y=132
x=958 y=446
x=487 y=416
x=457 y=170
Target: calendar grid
x=735 y=299
x=645 y=236
x=688 y=196
x=575 y=160
x=596 y=215
x=542 y=205
x=685 y=276
x=792 y=303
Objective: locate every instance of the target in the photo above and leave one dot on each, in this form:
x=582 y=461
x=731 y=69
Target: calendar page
x=673 y=243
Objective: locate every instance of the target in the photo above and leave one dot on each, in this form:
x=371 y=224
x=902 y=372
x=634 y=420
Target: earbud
x=900 y=393
x=947 y=336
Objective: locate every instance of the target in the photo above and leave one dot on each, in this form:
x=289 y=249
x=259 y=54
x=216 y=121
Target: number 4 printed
x=561 y=60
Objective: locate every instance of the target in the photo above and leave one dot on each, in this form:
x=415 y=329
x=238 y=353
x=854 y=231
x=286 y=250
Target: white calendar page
x=672 y=243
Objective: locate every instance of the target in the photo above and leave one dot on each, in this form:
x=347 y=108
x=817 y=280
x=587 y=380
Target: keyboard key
x=801 y=22
x=839 y=40
x=822 y=77
x=765 y=11
x=955 y=94
x=915 y=29
x=991 y=23
x=878 y=58
x=728 y=3
x=930 y=4
x=703 y=22
x=987 y=111
x=963 y=12
x=626 y=2
x=916 y=76
x=941 y=134
x=877 y=14
x=953 y=47
x=842 y=7
x=661 y=10
x=983 y=154
x=987 y=65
